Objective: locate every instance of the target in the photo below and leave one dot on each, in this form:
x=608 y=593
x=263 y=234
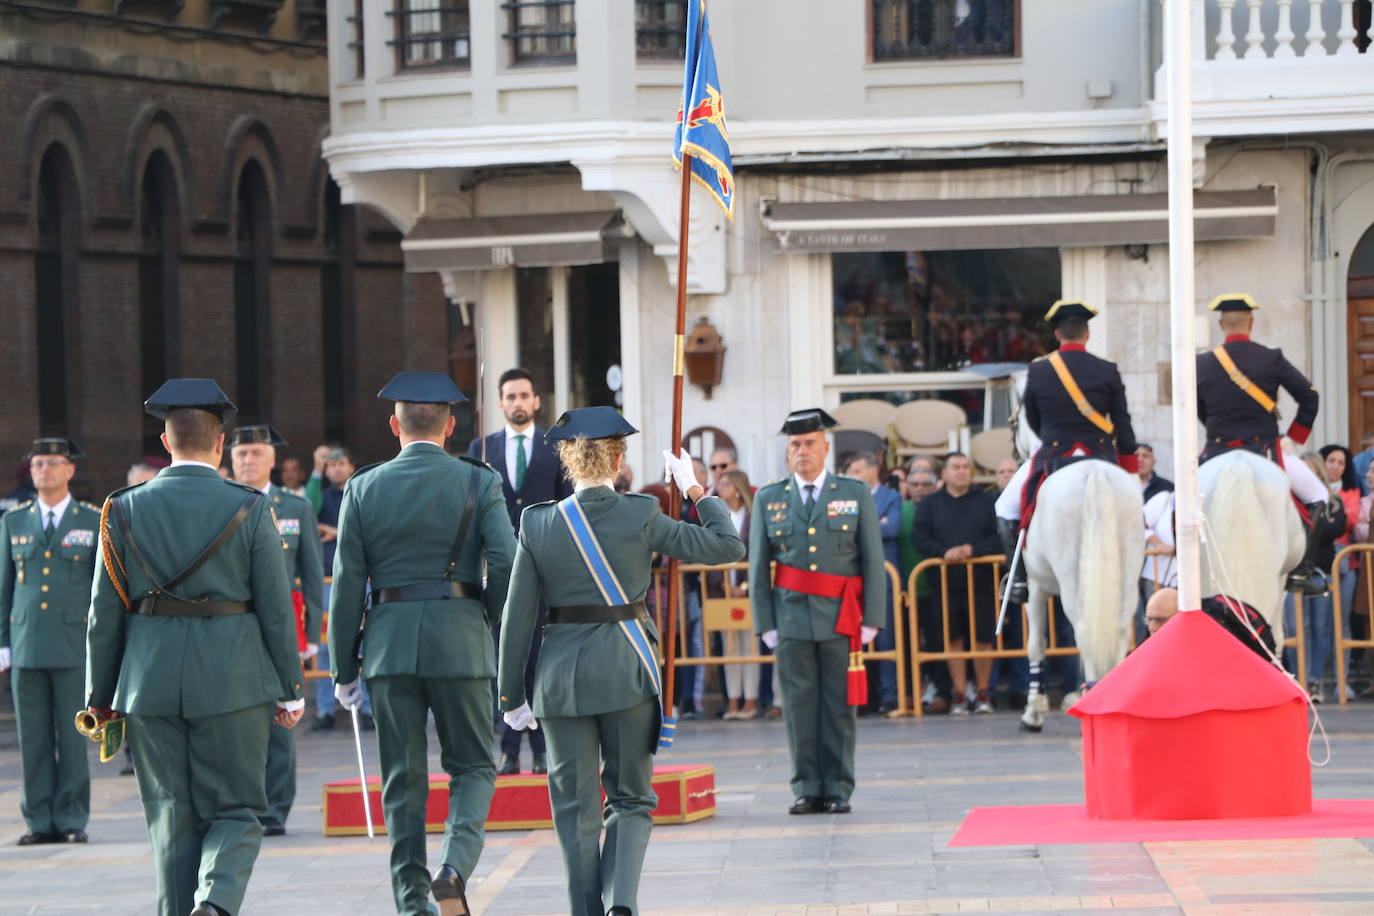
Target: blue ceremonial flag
x=701 y=134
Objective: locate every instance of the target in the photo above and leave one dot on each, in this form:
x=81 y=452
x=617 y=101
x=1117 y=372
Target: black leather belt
x=154 y=606
x=427 y=591
x=596 y=613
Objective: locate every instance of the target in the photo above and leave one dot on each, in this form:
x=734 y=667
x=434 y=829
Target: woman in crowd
x=1317 y=614
x=596 y=686
x=1345 y=486
x=741 y=681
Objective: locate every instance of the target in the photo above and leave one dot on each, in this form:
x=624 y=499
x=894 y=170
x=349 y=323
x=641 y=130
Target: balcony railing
x=1252 y=30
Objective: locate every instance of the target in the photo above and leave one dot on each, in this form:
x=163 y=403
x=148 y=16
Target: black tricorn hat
x=422 y=388
x=55 y=446
x=245 y=435
x=1069 y=308
x=591 y=423
x=195 y=393
x=810 y=420
x=1233 y=302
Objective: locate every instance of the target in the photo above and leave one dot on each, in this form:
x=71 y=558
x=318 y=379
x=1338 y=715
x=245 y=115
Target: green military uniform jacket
x=185 y=666
x=838 y=535
x=397 y=524
x=589 y=669
x=45 y=585
x=300 y=536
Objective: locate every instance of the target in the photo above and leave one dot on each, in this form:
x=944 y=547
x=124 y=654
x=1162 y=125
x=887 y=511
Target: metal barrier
x=1341 y=642
x=896 y=655
x=918 y=656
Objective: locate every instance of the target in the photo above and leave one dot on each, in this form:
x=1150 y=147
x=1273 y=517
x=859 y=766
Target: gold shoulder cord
x=112 y=561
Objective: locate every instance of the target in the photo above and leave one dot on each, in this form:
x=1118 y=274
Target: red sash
x=298 y=604
x=849 y=622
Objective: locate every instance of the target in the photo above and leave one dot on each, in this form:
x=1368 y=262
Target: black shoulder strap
x=474 y=481
x=213 y=548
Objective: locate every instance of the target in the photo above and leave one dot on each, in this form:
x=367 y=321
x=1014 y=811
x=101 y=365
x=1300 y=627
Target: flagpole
x=1187 y=508
x=674 y=496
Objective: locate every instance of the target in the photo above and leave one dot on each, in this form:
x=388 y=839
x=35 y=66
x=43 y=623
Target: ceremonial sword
x=362 y=774
x=1011 y=571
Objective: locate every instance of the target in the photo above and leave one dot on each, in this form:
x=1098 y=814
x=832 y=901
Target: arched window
x=336 y=313
x=55 y=284
x=157 y=284
x=252 y=275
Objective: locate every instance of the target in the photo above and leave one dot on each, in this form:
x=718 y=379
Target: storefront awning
x=1014 y=222
x=544 y=240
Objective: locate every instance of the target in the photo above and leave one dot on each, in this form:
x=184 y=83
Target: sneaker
x=958 y=709
x=1314 y=690
x=931 y=693
x=982 y=704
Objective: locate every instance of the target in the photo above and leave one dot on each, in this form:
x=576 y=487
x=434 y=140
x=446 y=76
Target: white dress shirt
x=802 y=484
x=57 y=511
x=512 y=445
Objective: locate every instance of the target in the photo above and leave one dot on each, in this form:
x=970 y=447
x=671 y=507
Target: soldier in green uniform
x=419 y=527
x=253 y=451
x=192 y=637
x=45 y=589
x=822 y=531
x=597 y=680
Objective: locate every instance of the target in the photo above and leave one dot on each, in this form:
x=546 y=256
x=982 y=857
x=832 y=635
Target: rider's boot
x=1016 y=576
x=1307 y=578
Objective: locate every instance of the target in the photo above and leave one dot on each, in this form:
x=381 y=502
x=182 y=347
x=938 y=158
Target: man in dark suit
x=530 y=473
x=865 y=466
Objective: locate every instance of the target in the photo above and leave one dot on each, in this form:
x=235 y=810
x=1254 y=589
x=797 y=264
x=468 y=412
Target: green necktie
x=520 y=462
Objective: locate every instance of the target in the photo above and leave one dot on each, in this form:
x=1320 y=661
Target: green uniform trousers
x=820 y=724
x=57 y=772
x=281 y=773
x=602 y=876
x=202 y=788
x=462 y=717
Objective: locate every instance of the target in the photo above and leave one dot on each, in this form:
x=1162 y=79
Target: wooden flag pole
x=674 y=496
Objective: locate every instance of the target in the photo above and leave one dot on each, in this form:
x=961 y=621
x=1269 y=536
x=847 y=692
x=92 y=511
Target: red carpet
x=1033 y=825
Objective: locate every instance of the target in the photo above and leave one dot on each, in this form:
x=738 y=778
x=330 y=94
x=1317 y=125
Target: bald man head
x=1162 y=605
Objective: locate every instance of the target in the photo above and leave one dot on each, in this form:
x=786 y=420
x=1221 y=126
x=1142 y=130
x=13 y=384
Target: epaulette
x=122 y=490
x=363 y=470
x=243 y=486
x=24 y=505
x=639 y=496
x=477 y=461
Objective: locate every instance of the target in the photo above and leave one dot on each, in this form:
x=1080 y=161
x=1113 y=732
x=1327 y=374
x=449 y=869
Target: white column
x=1178 y=25
x=1315 y=33
x=500 y=335
x=1225 y=36
x=1347 y=33
x=633 y=401
x=1254 y=36
x=1283 y=35
x=562 y=369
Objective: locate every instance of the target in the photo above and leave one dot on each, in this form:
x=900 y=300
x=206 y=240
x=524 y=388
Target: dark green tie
x=520 y=462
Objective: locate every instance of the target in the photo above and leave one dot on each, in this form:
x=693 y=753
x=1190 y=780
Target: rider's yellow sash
x=1066 y=379
x=1242 y=382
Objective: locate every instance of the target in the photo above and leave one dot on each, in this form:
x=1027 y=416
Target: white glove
x=679 y=470
x=311 y=650
x=866 y=634
x=521 y=718
x=770 y=638
x=5 y=659
x=350 y=694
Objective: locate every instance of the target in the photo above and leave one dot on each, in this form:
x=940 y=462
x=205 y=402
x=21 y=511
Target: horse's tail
x=1242 y=534
x=1099 y=576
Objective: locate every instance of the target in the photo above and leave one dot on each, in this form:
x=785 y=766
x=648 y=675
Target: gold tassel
x=107 y=553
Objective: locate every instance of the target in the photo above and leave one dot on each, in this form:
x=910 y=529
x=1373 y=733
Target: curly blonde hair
x=590 y=459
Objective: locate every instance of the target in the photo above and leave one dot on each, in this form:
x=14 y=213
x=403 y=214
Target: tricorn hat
x=245 y=435
x=55 y=446
x=196 y=393
x=1233 y=302
x=422 y=388
x=592 y=423
x=809 y=420
x=1069 y=308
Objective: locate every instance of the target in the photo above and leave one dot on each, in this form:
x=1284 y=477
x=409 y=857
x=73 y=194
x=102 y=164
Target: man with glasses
x=723 y=461
x=45 y=590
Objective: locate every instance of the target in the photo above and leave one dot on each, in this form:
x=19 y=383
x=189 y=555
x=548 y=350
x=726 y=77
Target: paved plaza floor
x=917 y=779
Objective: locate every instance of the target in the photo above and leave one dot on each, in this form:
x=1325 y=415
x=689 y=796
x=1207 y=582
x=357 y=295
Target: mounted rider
x=1237 y=387
x=1075 y=403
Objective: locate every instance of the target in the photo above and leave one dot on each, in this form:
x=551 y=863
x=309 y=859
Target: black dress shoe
x=39 y=839
x=126 y=770
x=807 y=804
x=619 y=911
x=448 y=890
x=272 y=827
x=540 y=766
x=207 y=909
x=366 y=723
x=510 y=765
x=837 y=806
x=76 y=836
x=322 y=724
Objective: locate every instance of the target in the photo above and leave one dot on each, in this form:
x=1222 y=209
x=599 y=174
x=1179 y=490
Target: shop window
x=918 y=29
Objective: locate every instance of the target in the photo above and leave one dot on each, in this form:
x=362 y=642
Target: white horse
x=1085 y=544
x=1253 y=528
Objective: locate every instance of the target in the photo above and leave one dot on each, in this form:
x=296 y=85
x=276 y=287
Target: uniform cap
x=1233 y=302
x=810 y=420
x=1069 y=308
x=422 y=388
x=245 y=435
x=591 y=423
x=55 y=446
x=196 y=393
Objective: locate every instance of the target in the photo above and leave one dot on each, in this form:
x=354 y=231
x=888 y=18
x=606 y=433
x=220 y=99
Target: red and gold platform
x=686 y=793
